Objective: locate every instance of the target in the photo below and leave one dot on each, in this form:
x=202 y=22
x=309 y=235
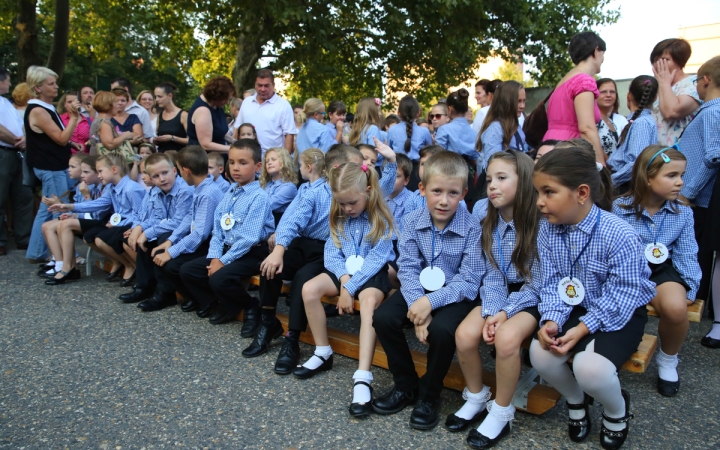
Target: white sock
x=496 y=420
x=51 y=262
x=667 y=366
x=715 y=331
x=314 y=362
x=361 y=393
x=474 y=403
x=55 y=269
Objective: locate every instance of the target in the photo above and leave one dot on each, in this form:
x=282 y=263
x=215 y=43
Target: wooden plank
x=695 y=311
x=639 y=361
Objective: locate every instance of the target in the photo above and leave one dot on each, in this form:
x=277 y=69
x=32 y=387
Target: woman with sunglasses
x=313 y=134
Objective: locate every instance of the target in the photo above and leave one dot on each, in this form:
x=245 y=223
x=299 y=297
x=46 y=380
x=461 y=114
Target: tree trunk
x=27 y=37
x=249 y=50
x=58 y=52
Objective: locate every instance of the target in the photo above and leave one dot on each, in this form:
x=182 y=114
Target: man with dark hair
x=133 y=107
x=271 y=115
x=87 y=93
x=12 y=150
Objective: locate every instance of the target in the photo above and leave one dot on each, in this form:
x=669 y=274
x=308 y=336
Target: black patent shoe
x=251 y=322
x=137 y=295
x=190 y=306
x=43 y=273
x=304 y=373
x=361 y=409
x=455 y=424
x=425 y=415
x=264 y=336
x=221 y=317
x=288 y=357
x=477 y=440
x=73 y=275
x=668 y=388
x=157 y=302
x=127 y=282
x=612 y=440
x=205 y=312
x=115 y=276
x=709 y=342
x=394 y=401
x=578 y=430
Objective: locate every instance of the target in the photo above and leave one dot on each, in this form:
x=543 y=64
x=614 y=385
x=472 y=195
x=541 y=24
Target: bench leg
x=524 y=386
x=88 y=269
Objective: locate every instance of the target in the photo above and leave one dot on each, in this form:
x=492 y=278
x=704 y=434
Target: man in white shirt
x=12 y=146
x=133 y=107
x=271 y=115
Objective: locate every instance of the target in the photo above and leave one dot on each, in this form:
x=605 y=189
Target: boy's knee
x=383 y=321
x=439 y=332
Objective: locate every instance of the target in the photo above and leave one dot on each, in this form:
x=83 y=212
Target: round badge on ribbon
x=571 y=291
x=227 y=222
x=432 y=278
x=115 y=219
x=656 y=253
x=353 y=264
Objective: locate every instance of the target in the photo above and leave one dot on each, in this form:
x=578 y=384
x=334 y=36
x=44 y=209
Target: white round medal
x=227 y=222
x=656 y=253
x=115 y=219
x=353 y=264
x=432 y=278
x=87 y=216
x=571 y=291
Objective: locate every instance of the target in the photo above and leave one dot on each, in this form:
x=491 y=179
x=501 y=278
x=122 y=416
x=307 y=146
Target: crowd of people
x=487 y=229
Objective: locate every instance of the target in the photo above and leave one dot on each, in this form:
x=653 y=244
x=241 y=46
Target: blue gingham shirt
x=494 y=288
x=125 y=198
x=367 y=135
x=677 y=234
x=254 y=222
x=613 y=271
x=480 y=209
x=700 y=143
x=308 y=217
x=459 y=257
x=196 y=226
x=222 y=183
x=400 y=206
x=95 y=192
x=459 y=137
x=641 y=134
x=376 y=256
x=387 y=180
x=280 y=194
x=163 y=213
x=397 y=136
x=314 y=134
x=492 y=141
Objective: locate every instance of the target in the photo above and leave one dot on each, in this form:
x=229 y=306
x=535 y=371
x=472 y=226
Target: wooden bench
x=695 y=311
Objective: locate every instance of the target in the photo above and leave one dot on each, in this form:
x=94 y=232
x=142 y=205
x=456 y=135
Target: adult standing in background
x=484 y=92
x=571 y=110
x=133 y=107
x=678 y=100
x=12 y=146
x=206 y=124
x=48 y=152
x=172 y=121
x=146 y=100
x=87 y=94
x=612 y=124
x=21 y=95
x=82 y=132
x=271 y=115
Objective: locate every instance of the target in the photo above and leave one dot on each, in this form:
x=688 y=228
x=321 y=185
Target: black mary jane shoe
x=455 y=424
x=425 y=415
x=668 y=388
x=128 y=282
x=394 y=401
x=288 y=358
x=115 y=276
x=361 y=409
x=613 y=440
x=477 y=440
x=189 y=306
x=47 y=265
x=43 y=273
x=251 y=322
x=709 y=342
x=265 y=335
x=578 y=430
x=73 y=275
x=304 y=373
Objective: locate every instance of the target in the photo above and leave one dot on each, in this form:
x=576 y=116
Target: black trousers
x=388 y=322
x=303 y=261
x=414 y=176
x=701 y=216
x=145 y=267
x=226 y=285
x=168 y=276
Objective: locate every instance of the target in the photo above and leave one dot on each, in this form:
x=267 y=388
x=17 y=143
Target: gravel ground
x=82 y=370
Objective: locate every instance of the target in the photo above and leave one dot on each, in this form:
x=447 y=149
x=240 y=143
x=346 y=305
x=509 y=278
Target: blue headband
x=662 y=154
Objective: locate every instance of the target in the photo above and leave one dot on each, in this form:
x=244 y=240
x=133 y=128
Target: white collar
x=36 y=101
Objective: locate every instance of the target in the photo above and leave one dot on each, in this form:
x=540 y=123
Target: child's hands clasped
x=420 y=311
x=491 y=326
x=570 y=339
x=547 y=333
x=215 y=265
x=421 y=331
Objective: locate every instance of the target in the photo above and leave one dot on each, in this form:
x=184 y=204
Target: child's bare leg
x=314 y=290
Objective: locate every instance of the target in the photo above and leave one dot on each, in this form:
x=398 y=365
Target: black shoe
x=264 y=336
x=288 y=357
x=43 y=273
x=709 y=342
x=361 y=409
x=477 y=440
x=137 y=295
x=394 y=401
x=251 y=322
x=304 y=373
x=454 y=423
x=425 y=415
x=127 y=282
x=115 y=276
x=157 y=302
x=612 y=440
x=220 y=317
x=578 y=430
x=668 y=388
x=46 y=265
x=189 y=306
x=205 y=312
x=73 y=275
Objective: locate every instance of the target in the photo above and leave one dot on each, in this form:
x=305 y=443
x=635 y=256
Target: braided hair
x=643 y=89
x=408 y=111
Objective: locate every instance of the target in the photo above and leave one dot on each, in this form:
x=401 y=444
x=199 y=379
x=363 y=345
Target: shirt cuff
x=591 y=322
x=554 y=316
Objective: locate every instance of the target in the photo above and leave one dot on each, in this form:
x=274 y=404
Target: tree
x=511 y=71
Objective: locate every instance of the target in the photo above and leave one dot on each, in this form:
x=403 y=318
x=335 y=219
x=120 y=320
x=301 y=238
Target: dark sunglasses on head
x=436 y=116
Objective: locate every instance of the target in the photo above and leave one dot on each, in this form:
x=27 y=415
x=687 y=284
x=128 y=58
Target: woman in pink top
x=572 y=111
x=81 y=135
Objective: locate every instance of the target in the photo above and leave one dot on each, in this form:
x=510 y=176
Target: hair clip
x=646 y=82
x=666 y=159
x=364 y=168
x=598 y=166
x=377 y=101
x=335 y=166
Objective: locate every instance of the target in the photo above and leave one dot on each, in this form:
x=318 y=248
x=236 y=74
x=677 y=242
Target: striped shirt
x=163 y=213
x=700 y=143
x=197 y=226
x=641 y=134
x=125 y=199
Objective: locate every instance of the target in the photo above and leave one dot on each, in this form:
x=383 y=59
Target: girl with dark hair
x=336 y=112
x=171 y=122
x=612 y=123
x=489 y=88
x=409 y=137
x=501 y=130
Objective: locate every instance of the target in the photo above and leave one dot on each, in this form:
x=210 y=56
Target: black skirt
x=378 y=281
x=665 y=272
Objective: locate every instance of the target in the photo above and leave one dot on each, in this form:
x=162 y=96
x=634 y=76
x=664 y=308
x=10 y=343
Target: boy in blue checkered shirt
x=440 y=269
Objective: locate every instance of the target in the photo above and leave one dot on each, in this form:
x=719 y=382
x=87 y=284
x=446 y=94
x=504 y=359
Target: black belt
x=14 y=149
